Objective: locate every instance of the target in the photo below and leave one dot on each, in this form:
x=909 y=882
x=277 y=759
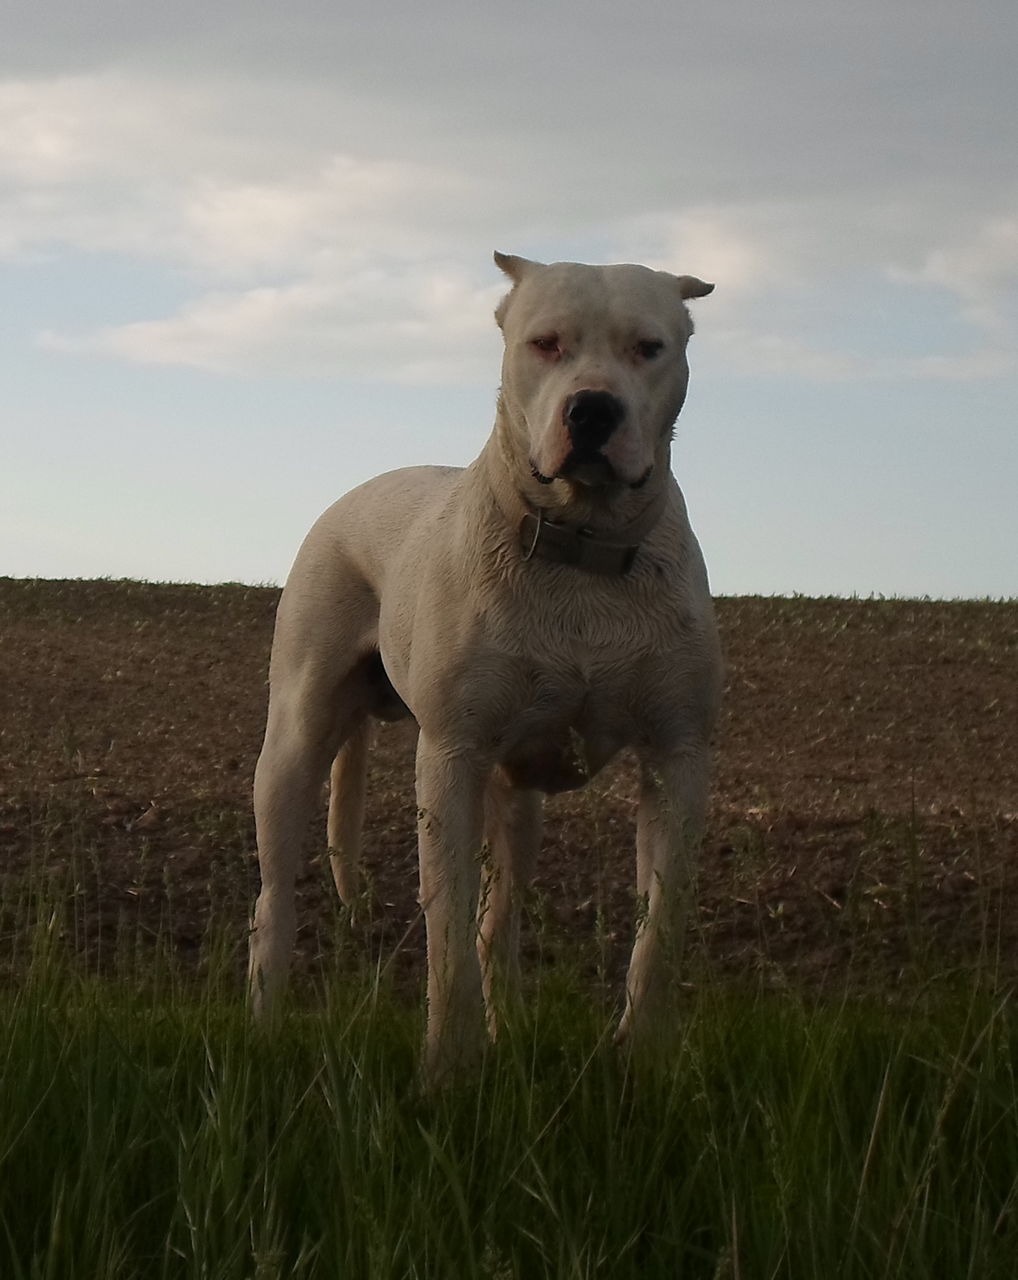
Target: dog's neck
x=591 y=530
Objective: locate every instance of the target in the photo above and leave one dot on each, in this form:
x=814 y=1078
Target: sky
x=245 y=264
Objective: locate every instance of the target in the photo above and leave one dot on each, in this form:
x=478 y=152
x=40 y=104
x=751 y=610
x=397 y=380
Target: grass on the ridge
x=149 y=1131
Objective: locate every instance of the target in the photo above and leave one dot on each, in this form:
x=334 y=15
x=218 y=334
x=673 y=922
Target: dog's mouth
x=592 y=470
x=589 y=468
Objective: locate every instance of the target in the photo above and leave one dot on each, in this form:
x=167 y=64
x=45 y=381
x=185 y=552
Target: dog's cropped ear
x=514 y=267
x=691 y=287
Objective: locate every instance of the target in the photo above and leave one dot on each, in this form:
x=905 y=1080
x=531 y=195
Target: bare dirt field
x=865 y=803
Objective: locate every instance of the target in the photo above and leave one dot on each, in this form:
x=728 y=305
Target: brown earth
x=865 y=812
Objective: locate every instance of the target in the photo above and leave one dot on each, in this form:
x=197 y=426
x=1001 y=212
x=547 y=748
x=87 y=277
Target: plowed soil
x=864 y=815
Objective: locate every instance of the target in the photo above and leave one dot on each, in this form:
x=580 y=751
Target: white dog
x=536 y=612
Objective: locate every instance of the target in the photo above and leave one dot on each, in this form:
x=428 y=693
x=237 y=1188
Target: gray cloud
x=282 y=157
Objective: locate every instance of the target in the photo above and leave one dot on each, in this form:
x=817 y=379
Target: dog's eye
x=547 y=344
x=649 y=348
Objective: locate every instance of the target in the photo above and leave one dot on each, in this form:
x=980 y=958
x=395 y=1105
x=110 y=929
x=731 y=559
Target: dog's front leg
x=450 y=818
x=670 y=821
x=512 y=829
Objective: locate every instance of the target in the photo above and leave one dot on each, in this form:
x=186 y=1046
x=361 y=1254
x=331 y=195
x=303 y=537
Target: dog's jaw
x=594 y=472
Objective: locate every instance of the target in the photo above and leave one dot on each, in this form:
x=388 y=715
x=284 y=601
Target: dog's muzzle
x=590 y=418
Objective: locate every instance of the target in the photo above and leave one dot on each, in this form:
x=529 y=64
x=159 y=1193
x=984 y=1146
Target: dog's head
x=595 y=371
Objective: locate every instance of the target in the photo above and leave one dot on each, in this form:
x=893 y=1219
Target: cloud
x=981 y=270
x=428 y=325
x=799 y=256
x=712 y=241
x=756 y=353
x=89 y=163
x=201 y=174
x=347 y=208
x=328 y=225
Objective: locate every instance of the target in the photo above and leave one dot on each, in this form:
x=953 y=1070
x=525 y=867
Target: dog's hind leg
x=322 y=679
x=348 y=785
x=512 y=825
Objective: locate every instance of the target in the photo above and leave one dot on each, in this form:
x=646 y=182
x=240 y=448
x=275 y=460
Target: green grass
x=148 y=1130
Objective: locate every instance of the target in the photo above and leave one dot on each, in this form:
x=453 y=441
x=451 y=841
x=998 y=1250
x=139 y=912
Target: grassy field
x=837 y=1094
x=149 y=1131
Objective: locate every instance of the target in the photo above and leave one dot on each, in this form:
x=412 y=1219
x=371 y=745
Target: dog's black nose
x=591 y=417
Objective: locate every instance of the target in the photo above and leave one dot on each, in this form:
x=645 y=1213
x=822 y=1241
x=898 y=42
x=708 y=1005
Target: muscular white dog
x=536 y=612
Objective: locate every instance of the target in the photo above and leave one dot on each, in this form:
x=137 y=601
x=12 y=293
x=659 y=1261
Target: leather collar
x=544 y=539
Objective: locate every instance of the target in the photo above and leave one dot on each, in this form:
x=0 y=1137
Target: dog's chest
x=567 y=724
x=576 y=678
